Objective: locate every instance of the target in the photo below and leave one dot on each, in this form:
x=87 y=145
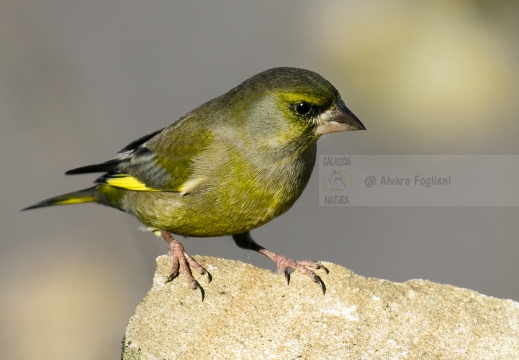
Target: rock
x=251 y=313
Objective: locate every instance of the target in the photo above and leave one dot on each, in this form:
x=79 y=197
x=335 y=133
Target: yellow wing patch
x=128 y=182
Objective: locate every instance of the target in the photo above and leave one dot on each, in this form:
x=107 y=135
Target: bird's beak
x=338 y=118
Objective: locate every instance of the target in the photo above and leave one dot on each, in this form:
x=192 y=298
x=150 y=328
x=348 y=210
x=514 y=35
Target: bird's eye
x=303 y=108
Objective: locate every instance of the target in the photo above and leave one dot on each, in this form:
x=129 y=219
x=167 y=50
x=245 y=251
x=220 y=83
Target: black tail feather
x=76 y=197
x=107 y=166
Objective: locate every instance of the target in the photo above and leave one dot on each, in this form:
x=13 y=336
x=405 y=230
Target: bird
x=225 y=168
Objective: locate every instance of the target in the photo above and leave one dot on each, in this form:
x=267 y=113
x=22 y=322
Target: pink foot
x=245 y=241
x=184 y=262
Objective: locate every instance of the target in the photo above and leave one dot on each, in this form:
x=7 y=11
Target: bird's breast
x=238 y=196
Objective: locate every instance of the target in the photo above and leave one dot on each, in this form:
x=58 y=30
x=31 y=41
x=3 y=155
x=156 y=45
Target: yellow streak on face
x=309 y=98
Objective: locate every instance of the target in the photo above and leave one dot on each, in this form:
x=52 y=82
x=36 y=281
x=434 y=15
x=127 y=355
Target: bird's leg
x=183 y=261
x=245 y=241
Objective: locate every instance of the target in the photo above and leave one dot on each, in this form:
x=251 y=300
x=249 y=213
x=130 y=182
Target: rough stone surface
x=250 y=313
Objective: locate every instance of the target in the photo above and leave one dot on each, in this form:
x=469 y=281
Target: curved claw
x=287 y=276
x=209 y=277
x=321 y=266
x=199 y=288
x=318 y=280
x=172 y=276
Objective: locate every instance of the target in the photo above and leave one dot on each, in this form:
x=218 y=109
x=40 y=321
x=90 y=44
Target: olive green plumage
x=225 y=168
x=230 y=165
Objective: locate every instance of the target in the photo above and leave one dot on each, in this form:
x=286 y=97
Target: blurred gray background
x=81 y=79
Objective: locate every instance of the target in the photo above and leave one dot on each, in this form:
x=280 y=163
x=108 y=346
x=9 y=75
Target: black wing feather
x=107 y=166
x=111 y=165
x=136 y=143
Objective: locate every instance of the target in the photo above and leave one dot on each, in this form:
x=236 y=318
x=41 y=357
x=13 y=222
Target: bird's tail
x=76 y=197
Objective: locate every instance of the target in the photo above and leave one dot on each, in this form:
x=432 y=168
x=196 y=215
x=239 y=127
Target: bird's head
x=291 y=106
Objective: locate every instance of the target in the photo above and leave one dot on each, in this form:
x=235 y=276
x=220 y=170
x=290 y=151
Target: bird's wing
x=110 y=165
x=161 y=161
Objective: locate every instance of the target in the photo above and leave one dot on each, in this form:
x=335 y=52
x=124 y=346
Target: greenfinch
x=225 y=168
